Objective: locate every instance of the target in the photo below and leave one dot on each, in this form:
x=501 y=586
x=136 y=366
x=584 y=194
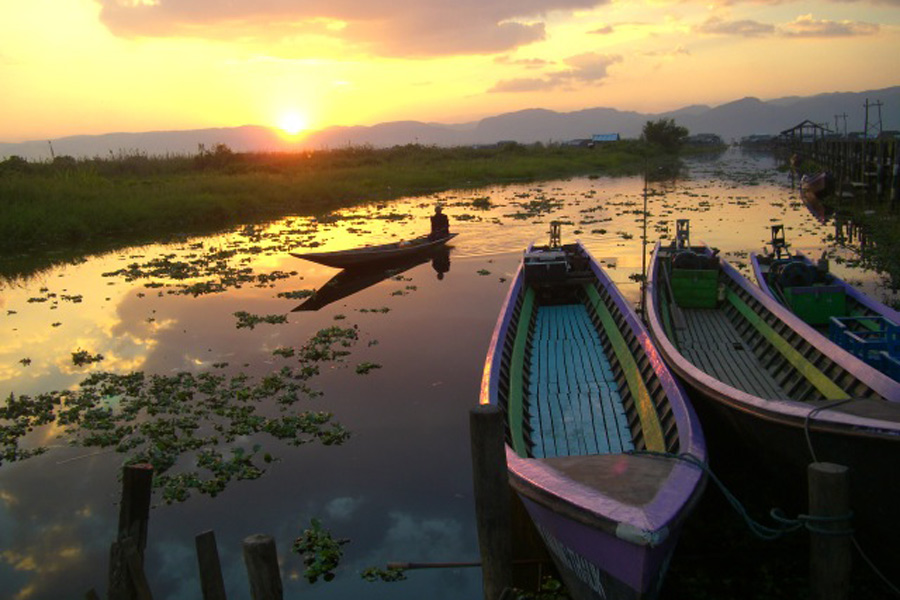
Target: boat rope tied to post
x=786 y=524
x=807 y=422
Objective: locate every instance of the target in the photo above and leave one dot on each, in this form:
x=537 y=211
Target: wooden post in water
x=261 y=559
x=491 y=484
x=126 y=561
x=830 y=558
x=211 y=583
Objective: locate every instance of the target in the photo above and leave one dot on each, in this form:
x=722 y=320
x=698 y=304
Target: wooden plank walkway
x=574 y=400
x=711 y=342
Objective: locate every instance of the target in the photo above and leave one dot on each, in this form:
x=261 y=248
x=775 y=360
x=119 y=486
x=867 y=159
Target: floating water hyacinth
x=207 y=417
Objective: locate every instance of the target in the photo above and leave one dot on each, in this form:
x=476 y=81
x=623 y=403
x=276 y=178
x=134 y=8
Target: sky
x=71 y=67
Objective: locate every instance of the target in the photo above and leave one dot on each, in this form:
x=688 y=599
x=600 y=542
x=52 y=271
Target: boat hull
x=610 y=520
x=600 y=566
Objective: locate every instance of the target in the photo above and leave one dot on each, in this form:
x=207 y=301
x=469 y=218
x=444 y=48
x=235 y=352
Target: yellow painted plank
x=653 y=435
x=827 y=387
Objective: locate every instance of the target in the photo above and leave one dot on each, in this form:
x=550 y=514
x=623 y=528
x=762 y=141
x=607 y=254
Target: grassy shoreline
x=53 y=212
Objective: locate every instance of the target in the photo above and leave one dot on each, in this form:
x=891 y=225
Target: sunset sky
x=72 y=67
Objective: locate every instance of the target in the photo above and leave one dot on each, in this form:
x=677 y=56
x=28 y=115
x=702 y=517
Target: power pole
x=875 y=124
x=837 y=127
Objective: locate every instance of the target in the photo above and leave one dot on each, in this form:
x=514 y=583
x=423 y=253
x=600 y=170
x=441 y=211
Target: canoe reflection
x=355 y=279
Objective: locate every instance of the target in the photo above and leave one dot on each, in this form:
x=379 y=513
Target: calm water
x=400 y=488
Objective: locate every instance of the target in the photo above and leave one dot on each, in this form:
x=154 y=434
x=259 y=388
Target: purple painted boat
x=778 y=389
x=595 y=422
x=835 y=309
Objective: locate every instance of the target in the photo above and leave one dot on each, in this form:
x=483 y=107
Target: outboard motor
x=794 y=274
x=688 y=259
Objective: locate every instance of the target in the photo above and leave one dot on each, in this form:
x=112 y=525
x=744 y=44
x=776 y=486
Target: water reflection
x=400 y=488
x=352 y=280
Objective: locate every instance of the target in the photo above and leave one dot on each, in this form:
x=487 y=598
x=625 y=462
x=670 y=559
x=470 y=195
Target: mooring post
x=831 y=548
x=211 y=583
x=126 y=556
x=134 y=512
x=491 y=485
x=261 y=559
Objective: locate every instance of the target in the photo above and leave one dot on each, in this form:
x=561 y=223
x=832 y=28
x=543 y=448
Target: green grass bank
x=66 y=202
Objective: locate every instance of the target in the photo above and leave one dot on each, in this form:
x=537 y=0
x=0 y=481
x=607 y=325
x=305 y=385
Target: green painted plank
x=827 y=387
x=515 y=408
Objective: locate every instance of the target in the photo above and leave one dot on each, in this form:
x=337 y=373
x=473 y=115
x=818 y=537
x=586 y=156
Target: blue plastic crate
x=876 y=340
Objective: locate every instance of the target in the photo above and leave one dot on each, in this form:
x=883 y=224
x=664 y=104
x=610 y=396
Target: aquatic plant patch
x=198 y=430
x=321 y=552
x=250 y=321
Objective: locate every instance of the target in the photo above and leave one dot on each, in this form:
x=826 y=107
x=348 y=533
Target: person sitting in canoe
x=440 y=224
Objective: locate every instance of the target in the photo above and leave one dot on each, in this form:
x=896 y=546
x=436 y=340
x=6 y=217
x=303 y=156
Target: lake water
x=400 y=488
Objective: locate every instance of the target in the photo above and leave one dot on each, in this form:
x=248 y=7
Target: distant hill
x=731 y=121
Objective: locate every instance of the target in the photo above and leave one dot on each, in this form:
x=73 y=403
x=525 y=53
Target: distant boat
x=787 y=395
x=816 y=183
x=368 y=255
x=843 y=314
x=585 y=393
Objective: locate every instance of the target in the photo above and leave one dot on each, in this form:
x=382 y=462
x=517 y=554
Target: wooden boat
x=858 y=323
x=367 y=255
x=585 y=393
x=817 y=183
x=783 y=393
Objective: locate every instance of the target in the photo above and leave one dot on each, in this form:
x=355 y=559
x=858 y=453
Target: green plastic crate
x=816 y=304
x=695 y=288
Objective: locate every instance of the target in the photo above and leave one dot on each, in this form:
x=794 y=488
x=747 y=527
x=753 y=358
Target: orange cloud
x=383 y=27
x=589 y=68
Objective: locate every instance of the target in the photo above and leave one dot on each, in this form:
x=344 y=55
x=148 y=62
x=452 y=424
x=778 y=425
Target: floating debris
x=365 y=367
x=83 y=357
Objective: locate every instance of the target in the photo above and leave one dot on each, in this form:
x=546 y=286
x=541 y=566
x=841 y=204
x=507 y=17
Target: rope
x=785 y=525
x=808 y=420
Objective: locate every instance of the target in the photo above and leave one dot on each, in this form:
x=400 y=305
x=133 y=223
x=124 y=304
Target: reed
x=67 y=203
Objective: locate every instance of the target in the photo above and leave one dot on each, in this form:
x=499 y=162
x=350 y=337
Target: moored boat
x=595 y=426
x=817 y=183
x=368 y=255
x=787 y=395
x=845 y=315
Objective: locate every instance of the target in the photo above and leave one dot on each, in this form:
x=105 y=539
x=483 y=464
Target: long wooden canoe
x=846 y=316
x=367 y=255
x=594 y=421
x=785 y=393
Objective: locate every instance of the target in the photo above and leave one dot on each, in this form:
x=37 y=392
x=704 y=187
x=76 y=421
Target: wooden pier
x=868 y=166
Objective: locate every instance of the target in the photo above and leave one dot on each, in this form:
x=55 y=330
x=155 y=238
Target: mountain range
x=731 y=121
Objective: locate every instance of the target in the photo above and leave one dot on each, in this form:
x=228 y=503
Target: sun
x=293 y=123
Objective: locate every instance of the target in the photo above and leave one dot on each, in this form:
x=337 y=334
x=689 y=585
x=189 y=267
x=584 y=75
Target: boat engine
x=688 y=259
x=794 y=274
